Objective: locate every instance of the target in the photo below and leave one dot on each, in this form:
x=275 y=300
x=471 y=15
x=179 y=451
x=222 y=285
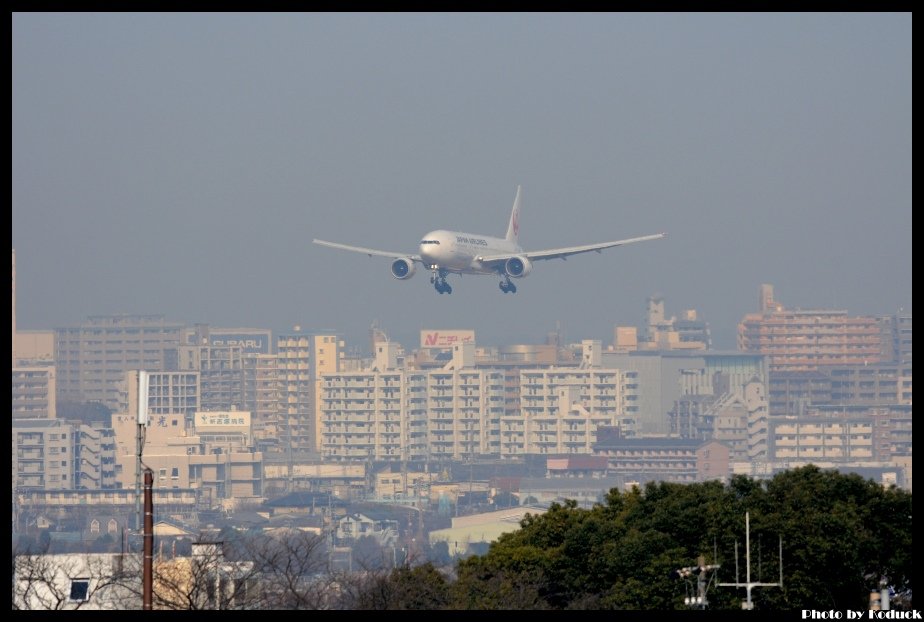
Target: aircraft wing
x=563 y=253
x=368 y=251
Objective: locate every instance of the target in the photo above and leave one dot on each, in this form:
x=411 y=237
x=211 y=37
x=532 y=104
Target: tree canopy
x=841 y=537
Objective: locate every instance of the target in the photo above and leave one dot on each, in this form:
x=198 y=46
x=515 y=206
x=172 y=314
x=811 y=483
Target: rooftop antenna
x=748 y=604
x=142 y=418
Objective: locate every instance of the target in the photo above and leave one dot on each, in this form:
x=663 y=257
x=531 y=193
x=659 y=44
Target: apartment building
x=661 y=458
x=883 y=383
x=803 y=340
x=263 y=371
x=92 y=358
x=896 y=337
x=51 y=454
x=791 y=392
x=221 y=372
x=461 y=411
x=817 y=438
x=561 y=409
x=34 y=393
x=375 y=415
x=399 y=414
x=302 y=360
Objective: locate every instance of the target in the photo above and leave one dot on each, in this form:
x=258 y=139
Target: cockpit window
x=429 y=241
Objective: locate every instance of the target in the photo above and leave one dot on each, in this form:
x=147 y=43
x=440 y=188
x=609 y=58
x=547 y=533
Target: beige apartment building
x=844 y=434
x=461 y=411
x=374 y=415
x=815 y=438
x=34 y=393
x=391 y=414
x=92 y=358
x=302 y=360
x=267 y=400
x=51 y=454
x=561 y=409
x=797 y=340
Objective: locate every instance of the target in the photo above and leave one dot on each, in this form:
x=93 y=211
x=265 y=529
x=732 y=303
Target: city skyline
x=181 y=164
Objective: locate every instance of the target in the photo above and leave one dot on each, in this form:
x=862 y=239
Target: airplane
x=454 y=252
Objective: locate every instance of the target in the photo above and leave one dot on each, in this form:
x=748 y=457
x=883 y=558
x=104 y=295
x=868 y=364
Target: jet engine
x=403 y=268
x=518 y=267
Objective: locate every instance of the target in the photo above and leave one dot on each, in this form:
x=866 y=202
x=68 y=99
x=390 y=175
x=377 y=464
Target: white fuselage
x=457 y=251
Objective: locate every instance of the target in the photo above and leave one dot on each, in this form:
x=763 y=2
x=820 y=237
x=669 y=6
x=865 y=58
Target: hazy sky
x=182 y=163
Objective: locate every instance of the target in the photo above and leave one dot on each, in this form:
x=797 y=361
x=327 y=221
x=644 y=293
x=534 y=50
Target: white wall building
x=76 y=581
x=460 y=412
x=561 y=409
x=51 y=454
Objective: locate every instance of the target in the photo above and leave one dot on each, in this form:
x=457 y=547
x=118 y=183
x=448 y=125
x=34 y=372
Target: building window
x=94 y=526
x=80 y=590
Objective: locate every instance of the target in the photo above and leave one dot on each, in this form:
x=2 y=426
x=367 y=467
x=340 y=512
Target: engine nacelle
x=518 y=267
x=403 y=268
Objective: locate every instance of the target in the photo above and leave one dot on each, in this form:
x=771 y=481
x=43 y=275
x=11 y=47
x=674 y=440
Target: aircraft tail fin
x=513 y=229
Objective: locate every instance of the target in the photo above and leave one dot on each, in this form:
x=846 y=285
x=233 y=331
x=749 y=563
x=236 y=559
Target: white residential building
x=460 y=411
x=561 y=409
x=52 y=454
x=76 y=581
x=374 y=415
x=464 y=409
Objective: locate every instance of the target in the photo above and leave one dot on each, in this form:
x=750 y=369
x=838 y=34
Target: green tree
x=841 y=534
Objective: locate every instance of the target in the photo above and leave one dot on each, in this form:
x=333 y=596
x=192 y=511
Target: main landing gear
x=439 y=282
x=508 y=287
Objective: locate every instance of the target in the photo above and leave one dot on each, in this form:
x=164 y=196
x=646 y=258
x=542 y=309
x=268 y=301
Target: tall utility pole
x=701 y=572
x=748 y=604
x=147 y=570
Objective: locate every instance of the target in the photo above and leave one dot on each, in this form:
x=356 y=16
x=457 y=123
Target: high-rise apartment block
x=221 y=374
x=92 y=358
x=896 y=337
x=561 y=409
x=804 y=340
x=302 y=359
x=267 y=400
x=461 y=412
x=34 y=393
x=238 y=368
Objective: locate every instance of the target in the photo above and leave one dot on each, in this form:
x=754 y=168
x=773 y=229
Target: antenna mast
x=748 y=604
